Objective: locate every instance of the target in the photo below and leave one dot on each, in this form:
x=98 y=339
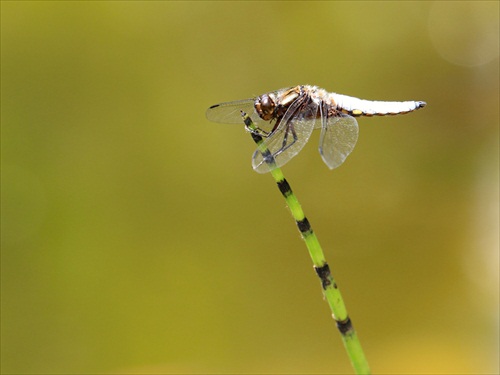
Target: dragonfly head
x=265 y=106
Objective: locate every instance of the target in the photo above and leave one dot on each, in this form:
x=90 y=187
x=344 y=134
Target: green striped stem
x=330 y=289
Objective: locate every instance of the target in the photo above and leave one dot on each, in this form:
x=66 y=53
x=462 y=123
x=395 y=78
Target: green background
x=136 y=237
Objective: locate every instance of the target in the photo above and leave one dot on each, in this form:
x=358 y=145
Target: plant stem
x=330 y=288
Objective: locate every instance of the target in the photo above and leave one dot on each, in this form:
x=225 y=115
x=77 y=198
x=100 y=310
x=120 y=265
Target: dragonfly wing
x=290 y=136
x=339 y=135
x=230 y=112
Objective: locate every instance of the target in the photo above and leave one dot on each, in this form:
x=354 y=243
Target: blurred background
x=136 y=238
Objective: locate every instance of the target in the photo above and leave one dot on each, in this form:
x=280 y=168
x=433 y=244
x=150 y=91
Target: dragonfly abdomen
x=359 y=107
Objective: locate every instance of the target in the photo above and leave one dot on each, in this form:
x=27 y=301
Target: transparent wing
x=290 y=136
x=339 y=135
x=230 y=113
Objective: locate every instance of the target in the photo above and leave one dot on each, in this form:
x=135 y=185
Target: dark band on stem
x=304 y=226
x=345 y=326
x=246 y=119
x=285 y=188
x=324 y=275
x=256 y=138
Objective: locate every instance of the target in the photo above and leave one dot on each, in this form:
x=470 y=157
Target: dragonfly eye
x=265 y=105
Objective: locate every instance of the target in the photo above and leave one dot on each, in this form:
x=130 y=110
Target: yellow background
x=137 y=238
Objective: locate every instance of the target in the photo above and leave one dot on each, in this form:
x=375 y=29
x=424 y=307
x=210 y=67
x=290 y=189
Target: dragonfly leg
x=290 y=129
x=258 y=131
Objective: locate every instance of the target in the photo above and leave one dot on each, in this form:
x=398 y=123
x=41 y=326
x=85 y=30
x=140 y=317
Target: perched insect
x=287 y=117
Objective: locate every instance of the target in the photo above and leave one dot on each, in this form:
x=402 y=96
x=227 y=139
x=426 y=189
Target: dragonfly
x=287 y=117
